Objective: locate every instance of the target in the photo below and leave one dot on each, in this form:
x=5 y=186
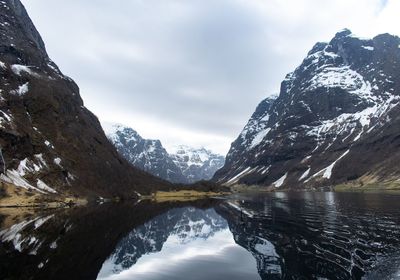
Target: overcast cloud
x=192 y=71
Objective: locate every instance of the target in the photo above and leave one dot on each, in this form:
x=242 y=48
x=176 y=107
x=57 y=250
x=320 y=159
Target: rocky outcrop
x=335 y=120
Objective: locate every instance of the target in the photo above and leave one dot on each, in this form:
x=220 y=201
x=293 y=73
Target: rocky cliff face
x=335 y=120
x=50 y=143
x=184 y=165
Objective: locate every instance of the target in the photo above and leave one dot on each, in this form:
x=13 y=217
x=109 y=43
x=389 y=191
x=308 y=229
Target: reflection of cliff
x=290 y=238
x=71 y=244
x=183 y=224
x=244 y=229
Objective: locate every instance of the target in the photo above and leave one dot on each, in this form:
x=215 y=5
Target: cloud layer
x=192 y=72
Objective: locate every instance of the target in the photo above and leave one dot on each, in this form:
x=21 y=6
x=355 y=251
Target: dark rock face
x=186 y=165
x=50 y=142
x=336 y=119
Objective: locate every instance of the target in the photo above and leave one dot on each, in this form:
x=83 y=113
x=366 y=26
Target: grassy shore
x=182 y=195
x=12 y=196
x=368 y=187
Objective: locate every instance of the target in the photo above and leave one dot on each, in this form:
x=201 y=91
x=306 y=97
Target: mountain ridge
x=183 y=165
x=326 y=126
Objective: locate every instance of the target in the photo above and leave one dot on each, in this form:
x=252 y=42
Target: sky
x=192 y=71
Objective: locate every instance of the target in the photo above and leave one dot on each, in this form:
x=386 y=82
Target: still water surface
x=260 y=236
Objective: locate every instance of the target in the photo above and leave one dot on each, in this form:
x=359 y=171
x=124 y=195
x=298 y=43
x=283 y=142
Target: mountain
x=336 y=120
x=184 y=165
x=196 y=164
x=148 y=155
x=50 y=142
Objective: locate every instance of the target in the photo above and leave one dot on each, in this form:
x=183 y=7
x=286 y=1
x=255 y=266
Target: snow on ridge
x=369 y=48
x=27 y=166
x=278 y=183
x=43 y=186
x=327 y=171
x=39 y=157
x=238 y=176
x=257 y=139
x=57 y=161
x=347 y=120
x=19 y=68
x=305 y=174
x=22 y=89
x=112 y=128
x=255 y=131
x=13 y=177
x=342 y=77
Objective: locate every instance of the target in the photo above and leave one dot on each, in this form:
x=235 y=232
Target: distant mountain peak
x=183 y=164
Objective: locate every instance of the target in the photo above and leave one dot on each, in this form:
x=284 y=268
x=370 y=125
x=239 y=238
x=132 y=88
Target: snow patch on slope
x=278 y=183
x=342 y=77
x=18 y=69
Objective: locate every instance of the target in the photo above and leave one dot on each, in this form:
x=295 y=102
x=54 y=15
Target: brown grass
x=369 y=183
x=183 y=195
x=19 y=197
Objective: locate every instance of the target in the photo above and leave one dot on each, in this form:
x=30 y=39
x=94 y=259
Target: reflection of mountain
x=74 y=243
x=320 y=236
x=290 y=235
x=243 y=229
x=182 y=224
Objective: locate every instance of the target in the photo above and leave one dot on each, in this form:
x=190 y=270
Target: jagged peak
x=264 y=106
x=344 y=33
x=319 y=46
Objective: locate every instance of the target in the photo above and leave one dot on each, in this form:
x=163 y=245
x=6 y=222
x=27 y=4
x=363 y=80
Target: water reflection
x=271 y=236
x=317 y=235
x=184 y=243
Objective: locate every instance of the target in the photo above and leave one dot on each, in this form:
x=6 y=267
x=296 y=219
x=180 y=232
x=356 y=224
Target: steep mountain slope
x=148 y=155
x=197 y=164
x=50 y=143
x=185 y=165
x=336 y=120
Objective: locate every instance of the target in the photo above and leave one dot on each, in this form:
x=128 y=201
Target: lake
x=280 y=235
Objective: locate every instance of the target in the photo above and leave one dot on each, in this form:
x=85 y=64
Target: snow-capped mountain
x=335 y=120
x=196 y=164
x=148 y=155
x=184 y=165
x=50 y=142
